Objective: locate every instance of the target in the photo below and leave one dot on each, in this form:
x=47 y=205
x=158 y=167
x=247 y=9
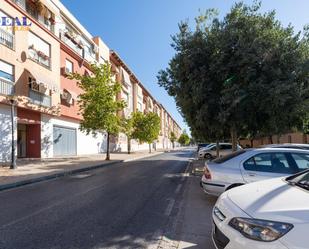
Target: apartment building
x=44 y=44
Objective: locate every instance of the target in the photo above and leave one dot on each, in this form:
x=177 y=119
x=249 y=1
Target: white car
x=246 y=166
x=210 y=151
x=271 y=214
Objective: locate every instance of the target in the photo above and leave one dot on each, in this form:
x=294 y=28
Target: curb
x=67 y=173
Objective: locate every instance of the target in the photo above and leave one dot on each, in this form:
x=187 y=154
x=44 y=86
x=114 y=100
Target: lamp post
x=13 y=158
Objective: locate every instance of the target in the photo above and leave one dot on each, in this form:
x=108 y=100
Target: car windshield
x=229 y=156
x=300 y=180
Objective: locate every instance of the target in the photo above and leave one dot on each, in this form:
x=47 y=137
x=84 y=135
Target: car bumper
x=226 y=237
x=212 y=188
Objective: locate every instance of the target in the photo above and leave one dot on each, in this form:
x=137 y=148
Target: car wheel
x=207 y=156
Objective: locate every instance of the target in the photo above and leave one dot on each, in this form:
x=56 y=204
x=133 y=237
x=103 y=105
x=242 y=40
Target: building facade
x=41 y=42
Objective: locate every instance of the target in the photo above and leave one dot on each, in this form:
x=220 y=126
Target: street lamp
x=12 y=100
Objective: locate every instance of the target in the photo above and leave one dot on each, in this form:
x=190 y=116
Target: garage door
x=64 y=141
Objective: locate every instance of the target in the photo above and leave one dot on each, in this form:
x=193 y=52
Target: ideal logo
x=16 y=24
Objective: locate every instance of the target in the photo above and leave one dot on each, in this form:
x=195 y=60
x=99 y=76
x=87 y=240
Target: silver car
x=252 y=165
x=210 y=151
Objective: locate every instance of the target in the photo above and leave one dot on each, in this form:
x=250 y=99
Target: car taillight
x=207 y=173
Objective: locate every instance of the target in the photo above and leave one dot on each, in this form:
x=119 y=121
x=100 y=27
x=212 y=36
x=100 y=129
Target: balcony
x=39 y=98
x=6 y=87
x=34 y=10
x=68 y=39
x=6 y=38
x=39 y=57
x=90 y=57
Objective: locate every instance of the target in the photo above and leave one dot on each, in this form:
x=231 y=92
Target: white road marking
x=169 y=207
x=178 y=188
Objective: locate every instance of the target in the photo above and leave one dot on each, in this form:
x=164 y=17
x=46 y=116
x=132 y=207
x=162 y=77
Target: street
x=150 y=203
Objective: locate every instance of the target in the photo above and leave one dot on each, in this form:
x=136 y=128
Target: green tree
x=173 y=138
x=244 y=75
x=184 y=139
x=127 y=128
x=98 y=103
x=146 y=127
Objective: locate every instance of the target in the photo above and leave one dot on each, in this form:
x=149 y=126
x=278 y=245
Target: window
x=126 y=97
x=301 y=160
x=6 y=71
x=68 y=66
x=38 y=50
x=139 y=107
x=269 y=162
x=225 y=146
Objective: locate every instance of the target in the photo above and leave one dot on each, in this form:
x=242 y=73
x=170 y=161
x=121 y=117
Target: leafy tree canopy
x=245 y=74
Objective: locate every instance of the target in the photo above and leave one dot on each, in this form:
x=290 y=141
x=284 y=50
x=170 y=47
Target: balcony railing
x=39 y=98
x=90 y=57
x=39 y=57
x=65 y=38
x=6 y=87
x=6 y=38
x=28 y=6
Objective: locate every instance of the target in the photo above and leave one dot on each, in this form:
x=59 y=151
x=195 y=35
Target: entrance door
x=64 y=141
x=21 y=140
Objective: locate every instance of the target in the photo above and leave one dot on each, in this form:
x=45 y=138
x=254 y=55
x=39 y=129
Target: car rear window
x=229 y=156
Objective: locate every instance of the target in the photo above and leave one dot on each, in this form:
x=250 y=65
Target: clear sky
x=140 y=30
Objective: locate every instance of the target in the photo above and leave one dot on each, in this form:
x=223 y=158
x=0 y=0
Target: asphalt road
x=125 y=205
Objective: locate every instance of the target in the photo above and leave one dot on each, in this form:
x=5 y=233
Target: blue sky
x=140 y=30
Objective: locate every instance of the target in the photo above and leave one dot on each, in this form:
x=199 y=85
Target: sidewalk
x=36 y=170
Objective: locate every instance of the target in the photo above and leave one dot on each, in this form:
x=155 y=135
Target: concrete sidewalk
x=36 y=170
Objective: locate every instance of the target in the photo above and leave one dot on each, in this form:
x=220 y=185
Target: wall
x=23 y=65
x=6 y=133
x=296 y=137
x=86 y=144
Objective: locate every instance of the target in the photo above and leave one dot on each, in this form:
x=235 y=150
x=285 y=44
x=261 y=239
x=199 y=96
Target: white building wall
x=6 y=133
x=86 y=144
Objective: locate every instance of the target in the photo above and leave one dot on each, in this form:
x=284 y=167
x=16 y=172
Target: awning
x=47 y=82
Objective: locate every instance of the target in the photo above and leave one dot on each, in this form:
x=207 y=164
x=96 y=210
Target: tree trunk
x=149 y=148
x=234 y=138
x=218 y=148
x=129 y=145
x=251 y=142
x=173 y=145
x=270 y=139
x=107 y=148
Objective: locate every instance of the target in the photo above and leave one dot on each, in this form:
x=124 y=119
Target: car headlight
x=261 y=230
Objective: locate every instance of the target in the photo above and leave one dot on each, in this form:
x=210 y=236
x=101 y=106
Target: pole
x=13 y=158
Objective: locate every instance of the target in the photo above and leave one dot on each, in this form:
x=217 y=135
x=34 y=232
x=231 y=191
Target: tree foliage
x=184 y=139
x=146 y=127
x=245 y=74
x=173 y=138
x=98 y=104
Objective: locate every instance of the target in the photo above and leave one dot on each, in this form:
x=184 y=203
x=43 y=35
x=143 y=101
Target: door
x=263 y=166
x=21 y=140
x=64 y=141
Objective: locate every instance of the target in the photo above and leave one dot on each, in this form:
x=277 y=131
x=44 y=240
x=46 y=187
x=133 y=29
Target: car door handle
x=252 y=174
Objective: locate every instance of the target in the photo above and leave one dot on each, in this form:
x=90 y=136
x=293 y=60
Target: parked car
x=210 y=151
x=246 y=166
x=263 y=215
x=286 y=145
x=200 y=146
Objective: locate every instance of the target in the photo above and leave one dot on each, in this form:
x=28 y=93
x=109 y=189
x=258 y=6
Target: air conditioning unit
x=42 y=88
x=67 y=97
x=35 y=86
x=65 y=71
